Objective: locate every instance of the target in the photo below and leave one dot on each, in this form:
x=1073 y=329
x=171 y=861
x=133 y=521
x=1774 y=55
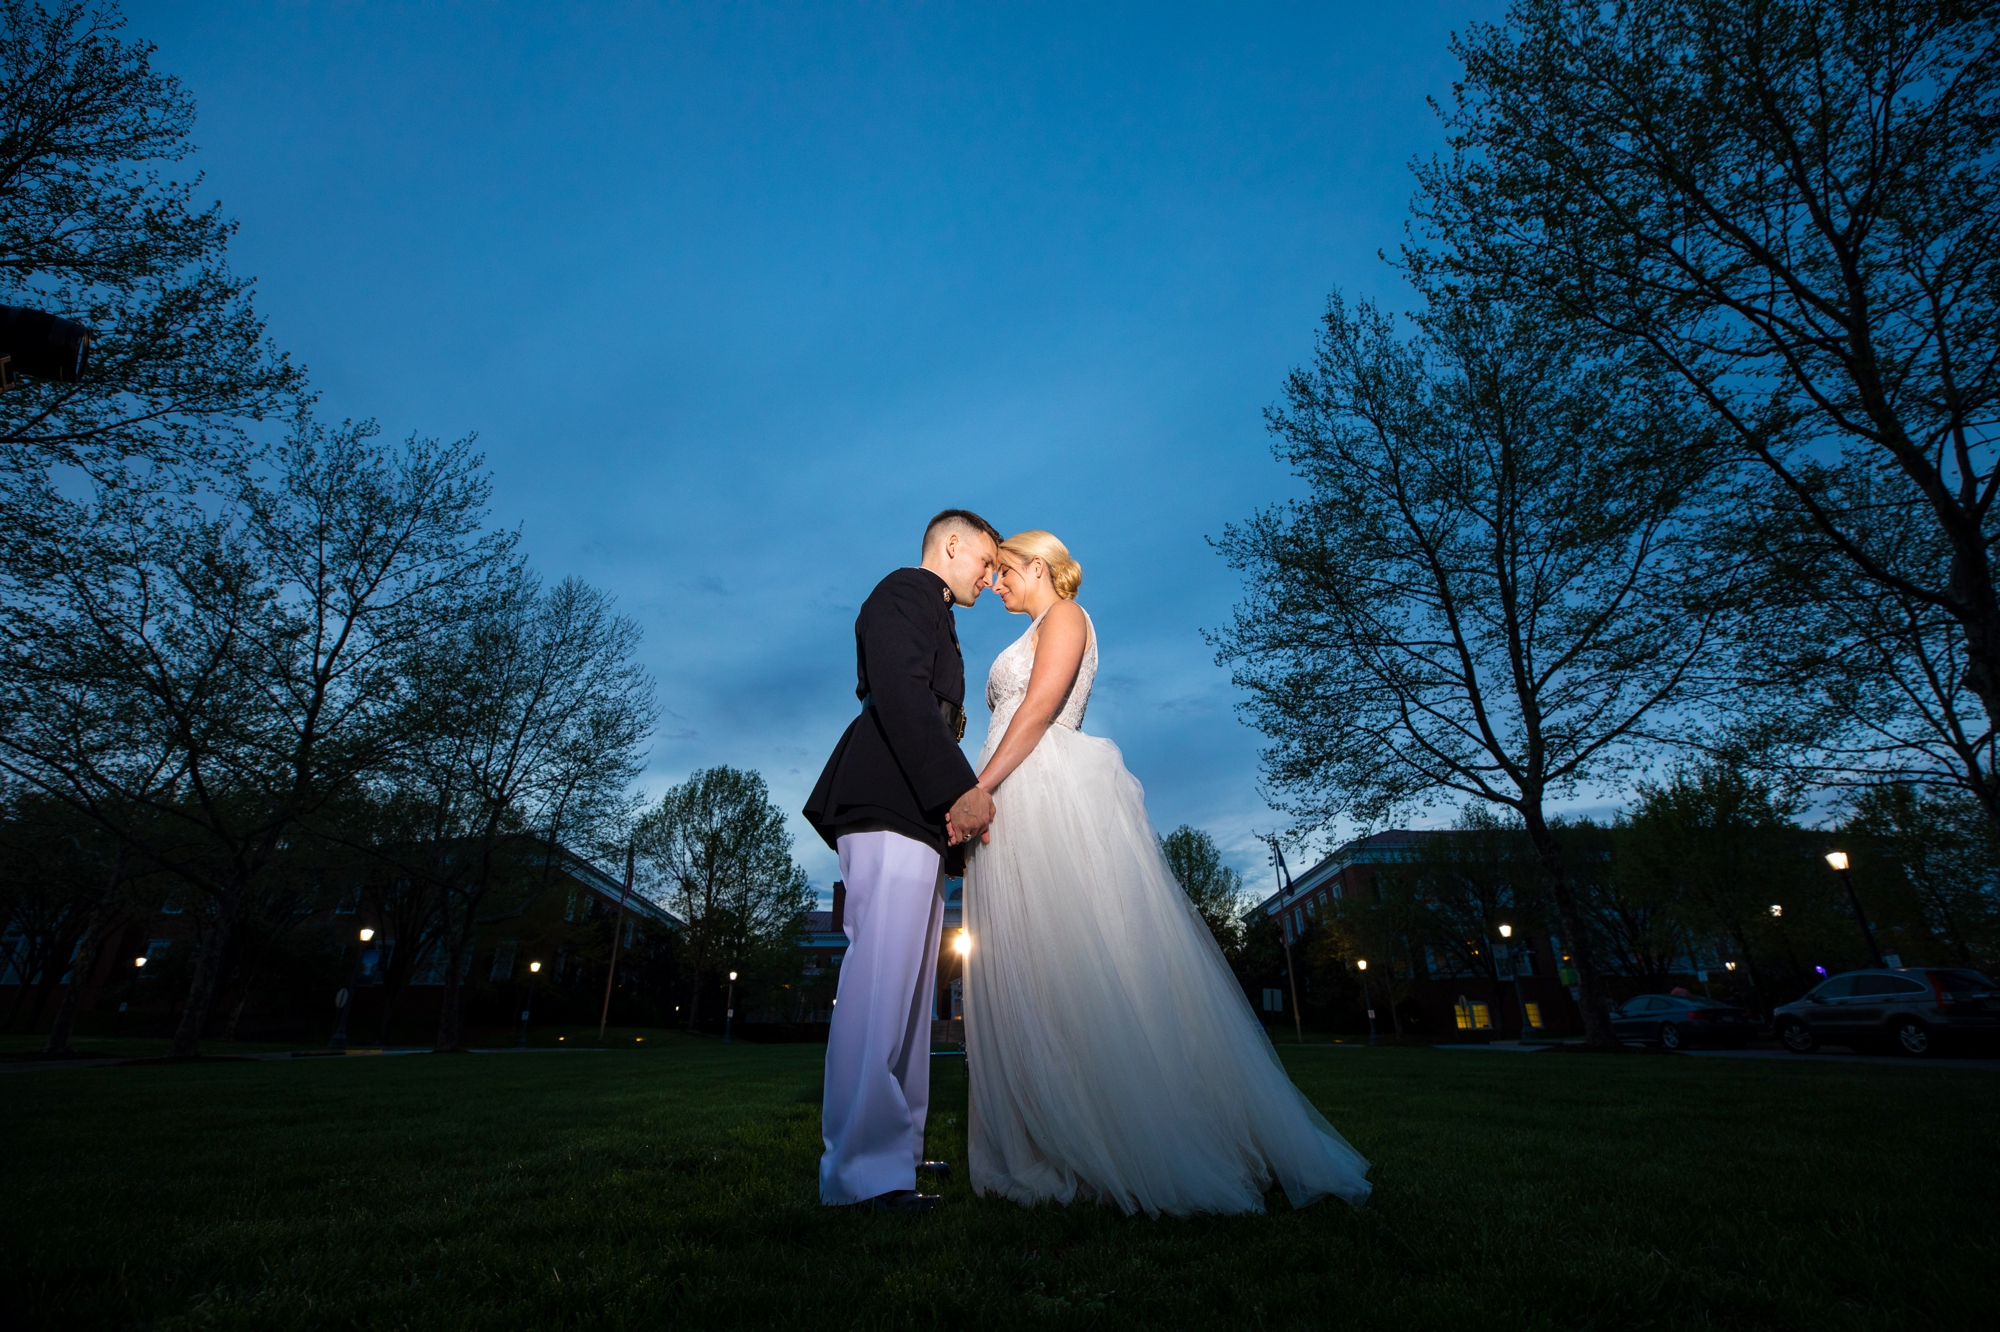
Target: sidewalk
x=39 y=1065
x=1899 y=1061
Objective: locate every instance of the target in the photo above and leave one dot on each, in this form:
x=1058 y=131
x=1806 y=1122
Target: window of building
x=1274 y=1001
x=1472 y=1015
x=503 y=962
x=174 y=904
x=1534 y=1014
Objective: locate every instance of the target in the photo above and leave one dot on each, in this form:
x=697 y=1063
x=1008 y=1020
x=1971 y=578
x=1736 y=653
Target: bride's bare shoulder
x=1064 y=632
x=1066 y=612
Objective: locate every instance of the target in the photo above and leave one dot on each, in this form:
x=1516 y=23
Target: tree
x=1718 y=847
x=1214 y=889
x=529 y=720
x=1445 y=902
x=717 y=850
x=1845 y=682
x=1794 y=207
x=1494 y=588
x=90 y=229
x=206 y=685
x=1939 y=848
x=61 y=879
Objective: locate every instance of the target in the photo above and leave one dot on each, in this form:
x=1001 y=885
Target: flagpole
x=1285 y=935
x=617 y=930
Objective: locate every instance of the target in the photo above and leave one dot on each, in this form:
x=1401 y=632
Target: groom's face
x=969 y=559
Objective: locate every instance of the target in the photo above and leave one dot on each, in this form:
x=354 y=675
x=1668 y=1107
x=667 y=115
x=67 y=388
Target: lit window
x=1472 y=1015
x=1534 y=1015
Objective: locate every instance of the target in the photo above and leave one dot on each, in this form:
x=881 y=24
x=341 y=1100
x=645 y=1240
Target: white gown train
x=1111 y=1052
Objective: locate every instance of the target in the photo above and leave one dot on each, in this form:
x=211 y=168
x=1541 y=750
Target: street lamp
x=338 y=1041
x=1361 y=964
x=521 y=1042
x=1838 y=859
x=131 y=993
x=729 y=1014
x=1520 y=1000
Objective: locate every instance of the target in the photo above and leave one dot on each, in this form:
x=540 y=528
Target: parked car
x=1680 y=1020
x=1912 y=1010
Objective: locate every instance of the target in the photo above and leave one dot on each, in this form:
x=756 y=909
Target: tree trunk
x=96 y=934
x=390 y=993
x=1757 y=986
x=236 y=1013
x=1597 y=1033
x=52 y=973
x=450 y=1035
x=208 y=959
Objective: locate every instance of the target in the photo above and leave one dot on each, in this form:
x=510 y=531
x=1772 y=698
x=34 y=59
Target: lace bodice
x=1007 y=682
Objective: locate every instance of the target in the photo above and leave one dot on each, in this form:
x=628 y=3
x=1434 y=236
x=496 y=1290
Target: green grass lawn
x=673 y=1185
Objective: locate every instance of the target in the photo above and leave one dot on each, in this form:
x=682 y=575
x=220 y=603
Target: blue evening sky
x=736 y=296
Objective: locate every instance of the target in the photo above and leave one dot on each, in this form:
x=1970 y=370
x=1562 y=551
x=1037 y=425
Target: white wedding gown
x=1111 y=1052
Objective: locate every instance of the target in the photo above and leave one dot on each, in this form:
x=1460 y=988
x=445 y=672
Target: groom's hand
x=969 y=816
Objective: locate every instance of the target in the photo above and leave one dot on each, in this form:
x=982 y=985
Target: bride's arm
x=1059 y=645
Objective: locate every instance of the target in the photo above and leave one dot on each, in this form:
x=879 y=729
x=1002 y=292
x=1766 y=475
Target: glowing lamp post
x=131 y=993
x=729 y=1013
x=534 y=969
x=338 y=1041
x=1520 y=1000
x=1361 y=965
x=1838 y=859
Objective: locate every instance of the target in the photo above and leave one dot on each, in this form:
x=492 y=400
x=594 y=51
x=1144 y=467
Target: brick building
x=285 y=985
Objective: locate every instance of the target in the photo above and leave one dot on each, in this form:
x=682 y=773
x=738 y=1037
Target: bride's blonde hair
x=1064 y=573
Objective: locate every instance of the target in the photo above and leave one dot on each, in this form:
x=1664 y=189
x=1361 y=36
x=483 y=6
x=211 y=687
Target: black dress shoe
x=942 y=1169
x=907 y=1202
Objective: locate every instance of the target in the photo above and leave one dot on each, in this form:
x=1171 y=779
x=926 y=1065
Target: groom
x=894 y=797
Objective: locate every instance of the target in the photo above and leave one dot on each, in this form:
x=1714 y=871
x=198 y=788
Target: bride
x=1111 y=1052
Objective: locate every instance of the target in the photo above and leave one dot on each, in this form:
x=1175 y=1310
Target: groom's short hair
x=963 y=521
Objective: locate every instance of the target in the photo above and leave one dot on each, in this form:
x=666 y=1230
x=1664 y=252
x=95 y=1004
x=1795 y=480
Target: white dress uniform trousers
x=878 y=1055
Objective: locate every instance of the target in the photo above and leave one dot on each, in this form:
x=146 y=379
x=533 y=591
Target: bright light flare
x=962 y=944
x=366 y=935
x=1837 y=859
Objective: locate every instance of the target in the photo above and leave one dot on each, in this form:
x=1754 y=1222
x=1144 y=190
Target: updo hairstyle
x=1065 y=574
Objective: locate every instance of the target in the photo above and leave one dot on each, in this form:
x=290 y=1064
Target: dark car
x=1912 y=1010
x=1680 y=1020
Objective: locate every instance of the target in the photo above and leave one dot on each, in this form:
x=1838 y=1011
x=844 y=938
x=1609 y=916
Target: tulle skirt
x=1111 y=1052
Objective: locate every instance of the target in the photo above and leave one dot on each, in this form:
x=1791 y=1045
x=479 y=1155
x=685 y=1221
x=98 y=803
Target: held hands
x=970 y=816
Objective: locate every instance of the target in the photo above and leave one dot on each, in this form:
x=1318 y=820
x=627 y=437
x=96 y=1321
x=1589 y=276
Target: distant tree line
x=1684 y=454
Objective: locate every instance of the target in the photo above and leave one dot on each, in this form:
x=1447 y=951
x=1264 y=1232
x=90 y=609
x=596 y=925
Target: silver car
x=1912 y=1010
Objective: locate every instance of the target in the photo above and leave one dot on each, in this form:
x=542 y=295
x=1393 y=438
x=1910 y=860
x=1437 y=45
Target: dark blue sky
x=737 y=296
